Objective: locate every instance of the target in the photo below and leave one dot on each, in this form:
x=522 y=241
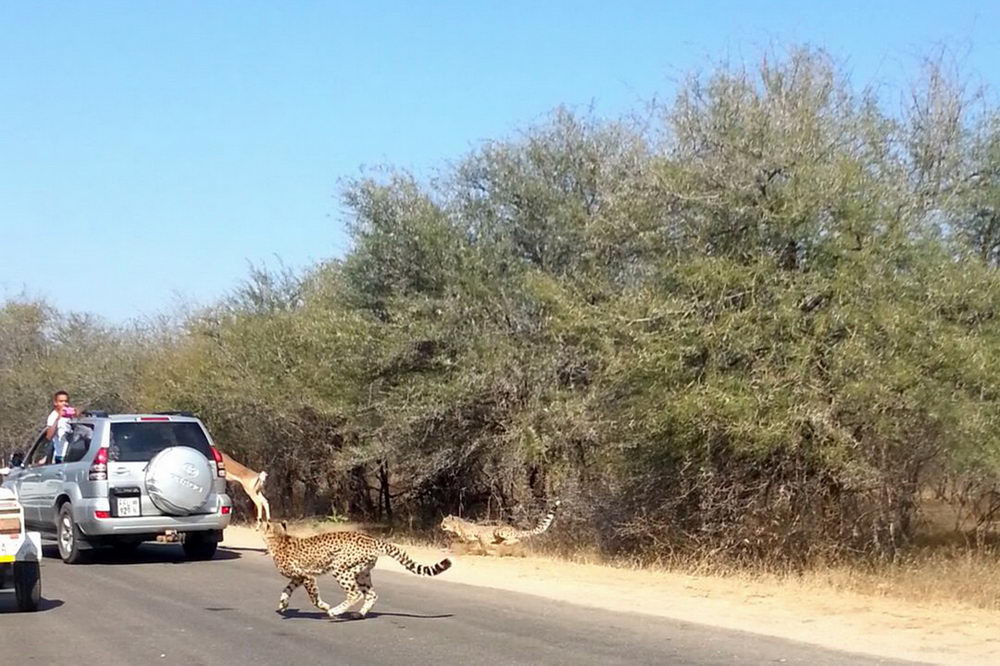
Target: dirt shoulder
x=934 y=633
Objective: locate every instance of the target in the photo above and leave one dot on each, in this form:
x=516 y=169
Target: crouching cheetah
x=350 y=556
x=491 y=535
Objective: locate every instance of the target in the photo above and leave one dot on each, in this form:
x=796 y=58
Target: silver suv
x=125 y=479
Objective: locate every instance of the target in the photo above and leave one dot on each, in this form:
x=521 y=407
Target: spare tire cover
x=178 y=480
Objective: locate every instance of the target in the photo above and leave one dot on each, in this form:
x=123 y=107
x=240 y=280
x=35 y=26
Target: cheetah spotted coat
x=350 y=556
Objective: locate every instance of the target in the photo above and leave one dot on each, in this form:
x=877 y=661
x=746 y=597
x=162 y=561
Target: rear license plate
x=128 y=506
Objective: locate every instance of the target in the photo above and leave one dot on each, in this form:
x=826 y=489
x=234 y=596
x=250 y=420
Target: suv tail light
x=99 y=468
x=220 y=466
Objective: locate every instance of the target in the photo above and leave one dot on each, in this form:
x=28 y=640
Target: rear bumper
x=90 y=525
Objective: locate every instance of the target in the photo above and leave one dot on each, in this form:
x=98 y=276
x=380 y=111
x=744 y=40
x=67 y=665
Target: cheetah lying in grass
x=350 y=556
x=490 y=535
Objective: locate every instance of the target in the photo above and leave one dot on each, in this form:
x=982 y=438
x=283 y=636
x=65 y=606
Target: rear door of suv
x=132 y=444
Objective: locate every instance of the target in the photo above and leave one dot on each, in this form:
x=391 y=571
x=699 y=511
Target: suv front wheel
x=68 y=535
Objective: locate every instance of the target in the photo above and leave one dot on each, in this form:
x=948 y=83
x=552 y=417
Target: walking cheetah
x=490 y=535
x=350 y=556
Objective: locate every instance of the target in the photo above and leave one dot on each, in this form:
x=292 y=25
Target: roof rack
x=96 y=413
x=176 y=413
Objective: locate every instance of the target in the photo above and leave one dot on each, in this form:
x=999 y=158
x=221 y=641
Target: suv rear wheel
x=68 y=535
x=201 y=545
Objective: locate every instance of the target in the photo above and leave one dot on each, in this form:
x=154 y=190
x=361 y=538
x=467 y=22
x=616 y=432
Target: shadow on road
x=262 y=551
x=147 y=553
x=295 y=613
x=422 y=617
x=8 y=603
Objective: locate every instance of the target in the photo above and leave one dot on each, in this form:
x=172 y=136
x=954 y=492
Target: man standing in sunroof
x=58 y=424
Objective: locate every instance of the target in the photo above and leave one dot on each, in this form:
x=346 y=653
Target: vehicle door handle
x=60 y=475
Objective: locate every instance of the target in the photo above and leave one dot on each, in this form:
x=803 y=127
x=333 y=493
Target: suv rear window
x=139 y=442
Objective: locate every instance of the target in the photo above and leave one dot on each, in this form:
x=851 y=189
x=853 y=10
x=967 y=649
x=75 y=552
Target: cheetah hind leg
x=287 y=593
x=364 y=580
x=348 y=581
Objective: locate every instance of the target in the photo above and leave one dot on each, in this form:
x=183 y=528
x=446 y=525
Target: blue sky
x=150 y=150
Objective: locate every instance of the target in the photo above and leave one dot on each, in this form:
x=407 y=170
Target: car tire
x=200 y=545
x=68 y=536
x=28 y=585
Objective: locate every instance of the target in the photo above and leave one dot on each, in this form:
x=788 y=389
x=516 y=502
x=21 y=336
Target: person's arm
x=53 y=421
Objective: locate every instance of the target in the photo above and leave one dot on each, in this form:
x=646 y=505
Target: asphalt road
x=154 y=608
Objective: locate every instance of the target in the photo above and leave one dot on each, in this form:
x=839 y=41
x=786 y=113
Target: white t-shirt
x=59 y=438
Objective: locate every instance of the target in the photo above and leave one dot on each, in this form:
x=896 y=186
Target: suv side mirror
x=16 y=459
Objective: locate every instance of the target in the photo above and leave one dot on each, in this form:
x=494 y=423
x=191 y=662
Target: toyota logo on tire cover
x=190 y=469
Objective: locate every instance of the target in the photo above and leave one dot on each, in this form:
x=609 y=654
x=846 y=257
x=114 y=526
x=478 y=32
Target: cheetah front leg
x=484 y=543
x=287 y=593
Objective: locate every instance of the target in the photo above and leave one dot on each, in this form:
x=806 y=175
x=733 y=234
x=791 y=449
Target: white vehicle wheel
x=28 y=585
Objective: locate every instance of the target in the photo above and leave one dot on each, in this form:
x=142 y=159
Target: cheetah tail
x=543 y=523
x=420 y=569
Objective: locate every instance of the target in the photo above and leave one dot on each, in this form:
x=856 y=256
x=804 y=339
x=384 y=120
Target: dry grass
x=940 y=574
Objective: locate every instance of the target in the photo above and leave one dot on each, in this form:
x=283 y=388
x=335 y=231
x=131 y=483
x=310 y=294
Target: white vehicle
x=20 y=553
